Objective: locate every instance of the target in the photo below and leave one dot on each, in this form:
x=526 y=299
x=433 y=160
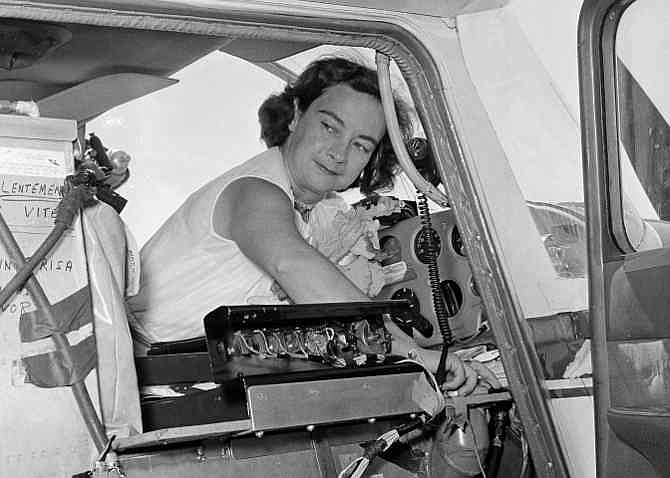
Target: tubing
x=393 y=130
x=500 y=423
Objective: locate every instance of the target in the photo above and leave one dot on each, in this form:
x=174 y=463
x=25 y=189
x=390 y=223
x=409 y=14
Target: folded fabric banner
x=45 y=365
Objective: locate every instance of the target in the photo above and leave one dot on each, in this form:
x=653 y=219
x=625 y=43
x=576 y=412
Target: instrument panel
x=407 y=244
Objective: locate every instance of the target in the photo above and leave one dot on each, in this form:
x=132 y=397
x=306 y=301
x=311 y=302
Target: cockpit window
x=643 y=123
x=538 y=186
x=533 y=113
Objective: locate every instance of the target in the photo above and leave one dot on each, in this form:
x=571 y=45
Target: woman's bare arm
x=259 y=217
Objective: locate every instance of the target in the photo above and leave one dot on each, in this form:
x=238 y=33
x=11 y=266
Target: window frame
x=424 y=80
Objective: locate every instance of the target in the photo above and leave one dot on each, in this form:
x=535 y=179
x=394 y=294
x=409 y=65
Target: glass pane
x=640 y=374
x=527 y=83
x=644 y=133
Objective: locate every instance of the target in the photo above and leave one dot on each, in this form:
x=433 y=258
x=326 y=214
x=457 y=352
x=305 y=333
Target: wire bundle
x=356 y=468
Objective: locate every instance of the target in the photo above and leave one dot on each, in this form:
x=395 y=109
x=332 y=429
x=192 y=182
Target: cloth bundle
x=348 y=236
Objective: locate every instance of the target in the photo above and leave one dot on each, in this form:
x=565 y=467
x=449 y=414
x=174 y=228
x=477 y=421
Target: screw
x=200 y=453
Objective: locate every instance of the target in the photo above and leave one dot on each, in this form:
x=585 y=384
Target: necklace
x=303 y=209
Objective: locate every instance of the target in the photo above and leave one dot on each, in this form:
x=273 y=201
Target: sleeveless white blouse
x=187 y=269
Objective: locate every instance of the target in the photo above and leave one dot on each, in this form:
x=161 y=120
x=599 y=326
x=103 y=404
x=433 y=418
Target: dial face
x=422 y=244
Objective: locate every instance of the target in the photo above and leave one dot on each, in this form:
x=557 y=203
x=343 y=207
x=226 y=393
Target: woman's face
x=331 y=142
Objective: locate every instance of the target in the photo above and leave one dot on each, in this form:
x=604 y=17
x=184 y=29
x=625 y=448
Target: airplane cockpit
x=111 y=117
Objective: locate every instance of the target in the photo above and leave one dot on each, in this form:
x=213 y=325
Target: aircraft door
x=625 y=114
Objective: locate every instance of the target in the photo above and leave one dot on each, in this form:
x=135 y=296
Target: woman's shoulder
x=266 y=162
x=267 y=166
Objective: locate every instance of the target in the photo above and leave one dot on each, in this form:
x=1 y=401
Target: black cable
x=439 y=304
x=500 y=424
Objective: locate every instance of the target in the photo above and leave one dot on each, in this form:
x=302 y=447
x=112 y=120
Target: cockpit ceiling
x=85 y=52
x=29 y=70
x=95 y=51
x=42 y=61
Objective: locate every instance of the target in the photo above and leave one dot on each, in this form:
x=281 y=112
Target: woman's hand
x=460 y=379
x=463 y=377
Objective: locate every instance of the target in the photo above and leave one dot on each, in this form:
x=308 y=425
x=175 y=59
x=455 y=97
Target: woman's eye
x=328 y=128
x=364 y=148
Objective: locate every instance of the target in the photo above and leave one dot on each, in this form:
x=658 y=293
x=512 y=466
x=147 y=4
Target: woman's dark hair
x=276 y=113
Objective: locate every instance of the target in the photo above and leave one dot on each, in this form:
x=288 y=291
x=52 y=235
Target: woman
x=238 y=234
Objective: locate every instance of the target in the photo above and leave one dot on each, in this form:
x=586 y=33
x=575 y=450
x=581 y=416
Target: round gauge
x=457 y=242
x=425 y=241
